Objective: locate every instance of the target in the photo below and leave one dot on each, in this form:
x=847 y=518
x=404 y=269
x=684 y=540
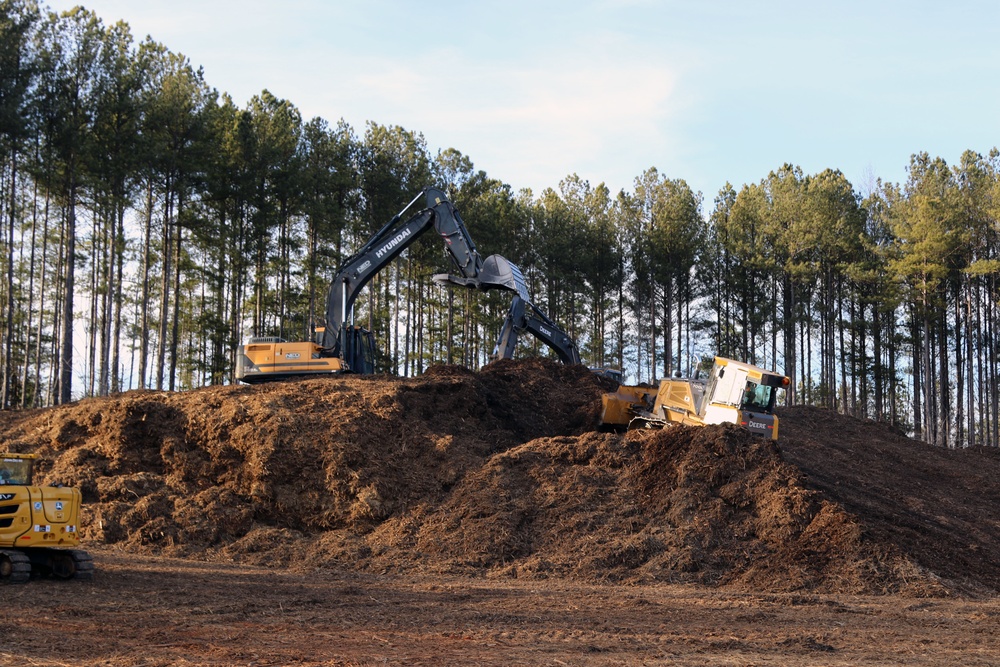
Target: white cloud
x=529 y=105
x=529 y=124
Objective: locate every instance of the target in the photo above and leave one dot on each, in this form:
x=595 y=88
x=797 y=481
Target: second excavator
x=38 y=526
x=524 y=316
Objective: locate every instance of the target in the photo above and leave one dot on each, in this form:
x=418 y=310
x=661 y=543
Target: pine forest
x=151 y=225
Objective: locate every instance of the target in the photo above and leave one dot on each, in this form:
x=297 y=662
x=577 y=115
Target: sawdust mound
x=936 y=505
x=710 y=506
x=495 y=473
x=182 y=472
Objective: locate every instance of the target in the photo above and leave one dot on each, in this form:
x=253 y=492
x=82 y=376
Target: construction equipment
x=734 y=392
x=340 y=346
x=38 y=526
x=524 y=316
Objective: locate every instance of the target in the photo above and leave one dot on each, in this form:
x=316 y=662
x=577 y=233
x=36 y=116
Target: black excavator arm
x=341 y=339
x=524 y=316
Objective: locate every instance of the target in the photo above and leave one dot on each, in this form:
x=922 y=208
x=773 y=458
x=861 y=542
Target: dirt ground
x=147 y=610
x=483 y=518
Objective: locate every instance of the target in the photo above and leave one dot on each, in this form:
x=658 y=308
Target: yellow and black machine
x=734 y=392
x=38 y=526
x=342 y=347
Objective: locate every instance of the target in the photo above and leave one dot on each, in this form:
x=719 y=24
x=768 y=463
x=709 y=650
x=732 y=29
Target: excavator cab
x=758 y=397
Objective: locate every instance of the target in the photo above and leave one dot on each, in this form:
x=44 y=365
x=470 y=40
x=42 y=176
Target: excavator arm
x=387 y=244
x=522 y=317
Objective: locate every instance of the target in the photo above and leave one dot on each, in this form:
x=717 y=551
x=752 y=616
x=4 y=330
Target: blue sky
x=533 y=91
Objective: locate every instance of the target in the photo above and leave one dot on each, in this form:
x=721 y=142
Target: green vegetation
x=150 y=214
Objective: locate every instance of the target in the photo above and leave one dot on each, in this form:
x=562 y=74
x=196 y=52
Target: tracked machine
x=734 y=392
x=38 y=526
x=340 y=346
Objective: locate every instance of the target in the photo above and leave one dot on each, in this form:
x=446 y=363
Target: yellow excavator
x=734 y=392
x=342 y=347
x=38 y=526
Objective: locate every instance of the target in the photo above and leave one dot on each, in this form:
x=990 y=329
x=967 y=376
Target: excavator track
x=15 y=567
x=18 y=566
x=84 y=565
x=61 y=563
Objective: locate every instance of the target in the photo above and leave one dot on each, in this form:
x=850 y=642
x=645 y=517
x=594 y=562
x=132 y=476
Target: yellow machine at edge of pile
x=734 y=392
x=38 y=526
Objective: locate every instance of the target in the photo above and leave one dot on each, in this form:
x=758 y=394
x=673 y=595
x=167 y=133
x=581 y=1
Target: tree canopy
x=152 y=224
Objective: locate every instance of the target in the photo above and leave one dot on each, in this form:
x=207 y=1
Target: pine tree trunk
x=450 y=328
x=8 y=348
x=94 y=327
x=421 y=335
x=408 y=332
x=944 y=414
x=147 y=255
x=31 y=305
x=859 y=373
x=167 y=240
x=66 y=345
x=282 y=268
x=879 y=388
x=959 y=369
x=176 y=306
x=116 y=338
x=788 y=313
x=621 y=323
x=237 y=266
x=394 y=319
x=667 y=307
x=842 y=356
x=806 y=373
x=111 y=281
x=917 y=353
x=809 y=356
x=993 y=391
x=311 y=270
x=652 y=333
x=893 y=383
x=927 y=367
x=971 y=369
x=38 y=395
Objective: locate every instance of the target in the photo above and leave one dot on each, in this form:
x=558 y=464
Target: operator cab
x=758 y=397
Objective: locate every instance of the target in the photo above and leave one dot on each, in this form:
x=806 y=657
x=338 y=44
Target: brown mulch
x=504 y=473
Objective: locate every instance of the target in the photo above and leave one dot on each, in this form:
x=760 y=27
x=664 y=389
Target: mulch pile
x=503 y=473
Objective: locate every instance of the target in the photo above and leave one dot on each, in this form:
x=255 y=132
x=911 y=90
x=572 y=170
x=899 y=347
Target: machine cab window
x=16 y=472
x=758 y=397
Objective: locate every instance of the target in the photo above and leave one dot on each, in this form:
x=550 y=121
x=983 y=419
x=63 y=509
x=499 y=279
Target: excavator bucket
x=496 y=273
x=499 y=273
